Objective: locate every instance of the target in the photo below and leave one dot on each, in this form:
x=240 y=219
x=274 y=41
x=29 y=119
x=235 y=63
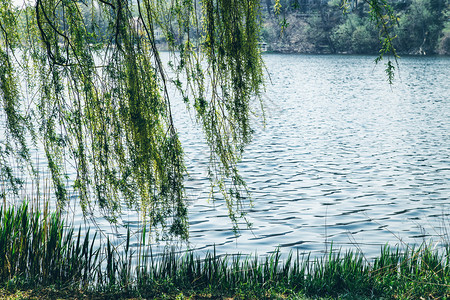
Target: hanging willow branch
x=382 y=15
x=102 y=103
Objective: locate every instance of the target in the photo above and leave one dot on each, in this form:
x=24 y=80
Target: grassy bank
x=42 y=258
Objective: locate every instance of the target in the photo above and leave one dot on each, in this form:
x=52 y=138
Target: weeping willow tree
x=104 y=110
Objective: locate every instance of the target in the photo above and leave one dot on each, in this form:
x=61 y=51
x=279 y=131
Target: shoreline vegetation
x=42 y=258
x=322 y=27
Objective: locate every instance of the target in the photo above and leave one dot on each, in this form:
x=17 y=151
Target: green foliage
x=17 y=124
x=444 y=42
x=420 y=26
x=100 y=102
x=355 y=35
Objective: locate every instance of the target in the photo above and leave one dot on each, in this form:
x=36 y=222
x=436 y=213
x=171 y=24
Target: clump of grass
x=38 y=250
x=413 y=273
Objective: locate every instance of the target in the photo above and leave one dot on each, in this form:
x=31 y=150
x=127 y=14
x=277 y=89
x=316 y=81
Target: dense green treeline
x=423 y=27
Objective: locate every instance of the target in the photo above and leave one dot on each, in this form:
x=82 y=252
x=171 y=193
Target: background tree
x=444 y=41
x=355 y=35
x=420 y=26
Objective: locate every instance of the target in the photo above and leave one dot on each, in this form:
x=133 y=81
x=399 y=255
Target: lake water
x=343 y=158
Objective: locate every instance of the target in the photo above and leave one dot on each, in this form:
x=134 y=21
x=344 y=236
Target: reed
x=38 y=250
